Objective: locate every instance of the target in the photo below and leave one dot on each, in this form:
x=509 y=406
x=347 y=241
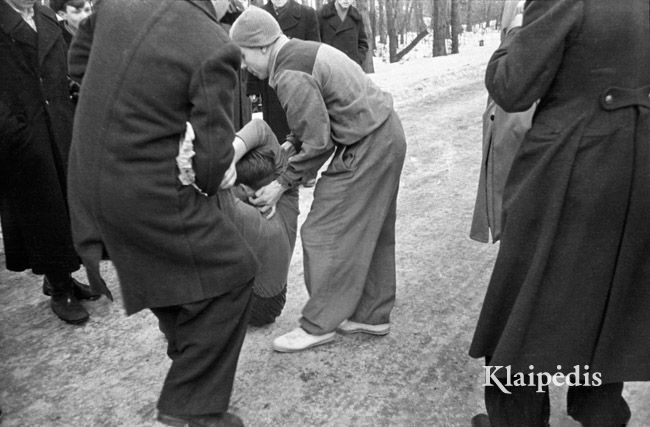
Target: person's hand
x=230 y=176
x=289 y=148
x=267 y=197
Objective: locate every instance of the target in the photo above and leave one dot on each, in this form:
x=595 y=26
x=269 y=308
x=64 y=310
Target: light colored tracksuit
x=349 y=235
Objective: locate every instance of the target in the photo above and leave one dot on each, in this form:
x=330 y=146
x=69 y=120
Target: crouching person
x=143 y=76
x=348 y=237
x=260 y=159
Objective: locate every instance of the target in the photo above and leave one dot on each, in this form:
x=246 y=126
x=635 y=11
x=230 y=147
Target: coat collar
x=48 y=28
x=290 y=18
x=10 y=24
x=207 y=7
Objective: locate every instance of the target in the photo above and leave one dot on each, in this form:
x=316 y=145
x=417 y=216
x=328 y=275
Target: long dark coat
x=145 y=76
x=347 y=36
x=570 y=284
x=36 y=122
x=297 y=22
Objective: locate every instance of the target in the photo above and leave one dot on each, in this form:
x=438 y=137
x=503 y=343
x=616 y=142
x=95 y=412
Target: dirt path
x=108 y=372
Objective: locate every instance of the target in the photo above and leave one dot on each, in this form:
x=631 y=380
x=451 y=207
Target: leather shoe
x=225 y=419
x=349 y=327
x=481 y=420
x=68 y=308
x=81 y=291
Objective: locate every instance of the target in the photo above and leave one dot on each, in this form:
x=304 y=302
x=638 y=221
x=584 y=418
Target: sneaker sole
x=295 y=350
x=172 y=421
x=363 y=331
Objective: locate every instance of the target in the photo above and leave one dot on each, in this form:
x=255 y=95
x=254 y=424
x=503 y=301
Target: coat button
x=609 y=99
x=47 y=102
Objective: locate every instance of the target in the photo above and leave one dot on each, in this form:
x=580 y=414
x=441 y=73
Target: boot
x=64 y=303
x=81 y=291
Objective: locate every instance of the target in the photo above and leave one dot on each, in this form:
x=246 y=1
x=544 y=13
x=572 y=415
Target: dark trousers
x=601 y=406
x=204 y=339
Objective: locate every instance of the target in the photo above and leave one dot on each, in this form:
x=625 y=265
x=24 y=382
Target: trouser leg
x=602 y=406
x=378 y=296
x=204 y=341
x=523 y=407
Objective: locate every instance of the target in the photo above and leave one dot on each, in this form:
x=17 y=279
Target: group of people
x=197 y=207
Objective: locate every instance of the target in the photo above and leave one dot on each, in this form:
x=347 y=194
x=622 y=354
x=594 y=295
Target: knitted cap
x=255 y=27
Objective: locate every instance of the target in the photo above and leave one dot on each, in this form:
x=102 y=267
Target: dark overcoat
x=297 y=22
x=570 y=283
x=348 y=35
x=36 y=119
x=155 y=64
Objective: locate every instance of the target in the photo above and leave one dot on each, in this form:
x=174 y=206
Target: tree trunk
x=411 y=45
x=392 y=31
x=455 y=26
x=381 y=28
x=469 y=16
x=439 y=30
x=372 y=35
x=362 y=7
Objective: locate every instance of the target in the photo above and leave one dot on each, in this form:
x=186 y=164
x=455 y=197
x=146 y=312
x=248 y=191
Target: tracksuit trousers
x=348 y=237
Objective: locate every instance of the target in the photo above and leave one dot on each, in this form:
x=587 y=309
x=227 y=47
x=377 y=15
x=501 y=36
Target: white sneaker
x=350 y=327
x=299 y=339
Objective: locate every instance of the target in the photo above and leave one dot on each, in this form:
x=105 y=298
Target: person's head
x=279 y=3
x=71 y=11
x=254 y=32
x=344 y=4
x=22 y=4
x=256 y=169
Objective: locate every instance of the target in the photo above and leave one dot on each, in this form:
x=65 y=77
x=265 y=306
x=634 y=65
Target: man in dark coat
x=147 y=68
x=297 y=22
x=341 y=26
x=569 y=291
x=36 y=126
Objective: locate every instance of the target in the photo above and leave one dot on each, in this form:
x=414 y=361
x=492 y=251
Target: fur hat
x=255 y=27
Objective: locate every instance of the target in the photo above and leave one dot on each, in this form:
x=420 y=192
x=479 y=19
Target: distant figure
x=502 y=136
x=348 y=237
x=341 y=26
x=35 y=131
x=70 y=13
x=147 y=67
x=568 y=298
x=297 y=21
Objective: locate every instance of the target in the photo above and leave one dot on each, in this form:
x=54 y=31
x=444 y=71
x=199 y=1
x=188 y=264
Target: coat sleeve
x=522 y=69
x=80 y=48
x=363 y=42
x=312 y=32
x=212 y=99
x=308 y=120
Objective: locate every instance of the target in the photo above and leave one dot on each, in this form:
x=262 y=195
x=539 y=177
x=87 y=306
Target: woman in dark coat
x=570 y=284
x=347 y=33
x=36 y=126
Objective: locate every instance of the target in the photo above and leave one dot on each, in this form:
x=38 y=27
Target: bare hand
x=267 y=197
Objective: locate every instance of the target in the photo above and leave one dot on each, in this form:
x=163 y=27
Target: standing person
x=341 y=26
x=569 y=290
x=36 y=122
x=146 y=68
x=297 y=21
x=70 y=13
x=348 y=237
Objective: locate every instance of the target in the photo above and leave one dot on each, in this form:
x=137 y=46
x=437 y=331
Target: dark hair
x=58 y=5
x=254 y=167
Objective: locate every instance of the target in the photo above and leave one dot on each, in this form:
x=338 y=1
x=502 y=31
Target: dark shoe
x=81 y=291
x=68 y=308
x=481 y=420
x=225 y=419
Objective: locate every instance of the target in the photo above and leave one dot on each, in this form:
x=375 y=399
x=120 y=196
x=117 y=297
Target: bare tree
x=439 y=28
x=455 y=26
x=391 y=29
x=381 y=29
